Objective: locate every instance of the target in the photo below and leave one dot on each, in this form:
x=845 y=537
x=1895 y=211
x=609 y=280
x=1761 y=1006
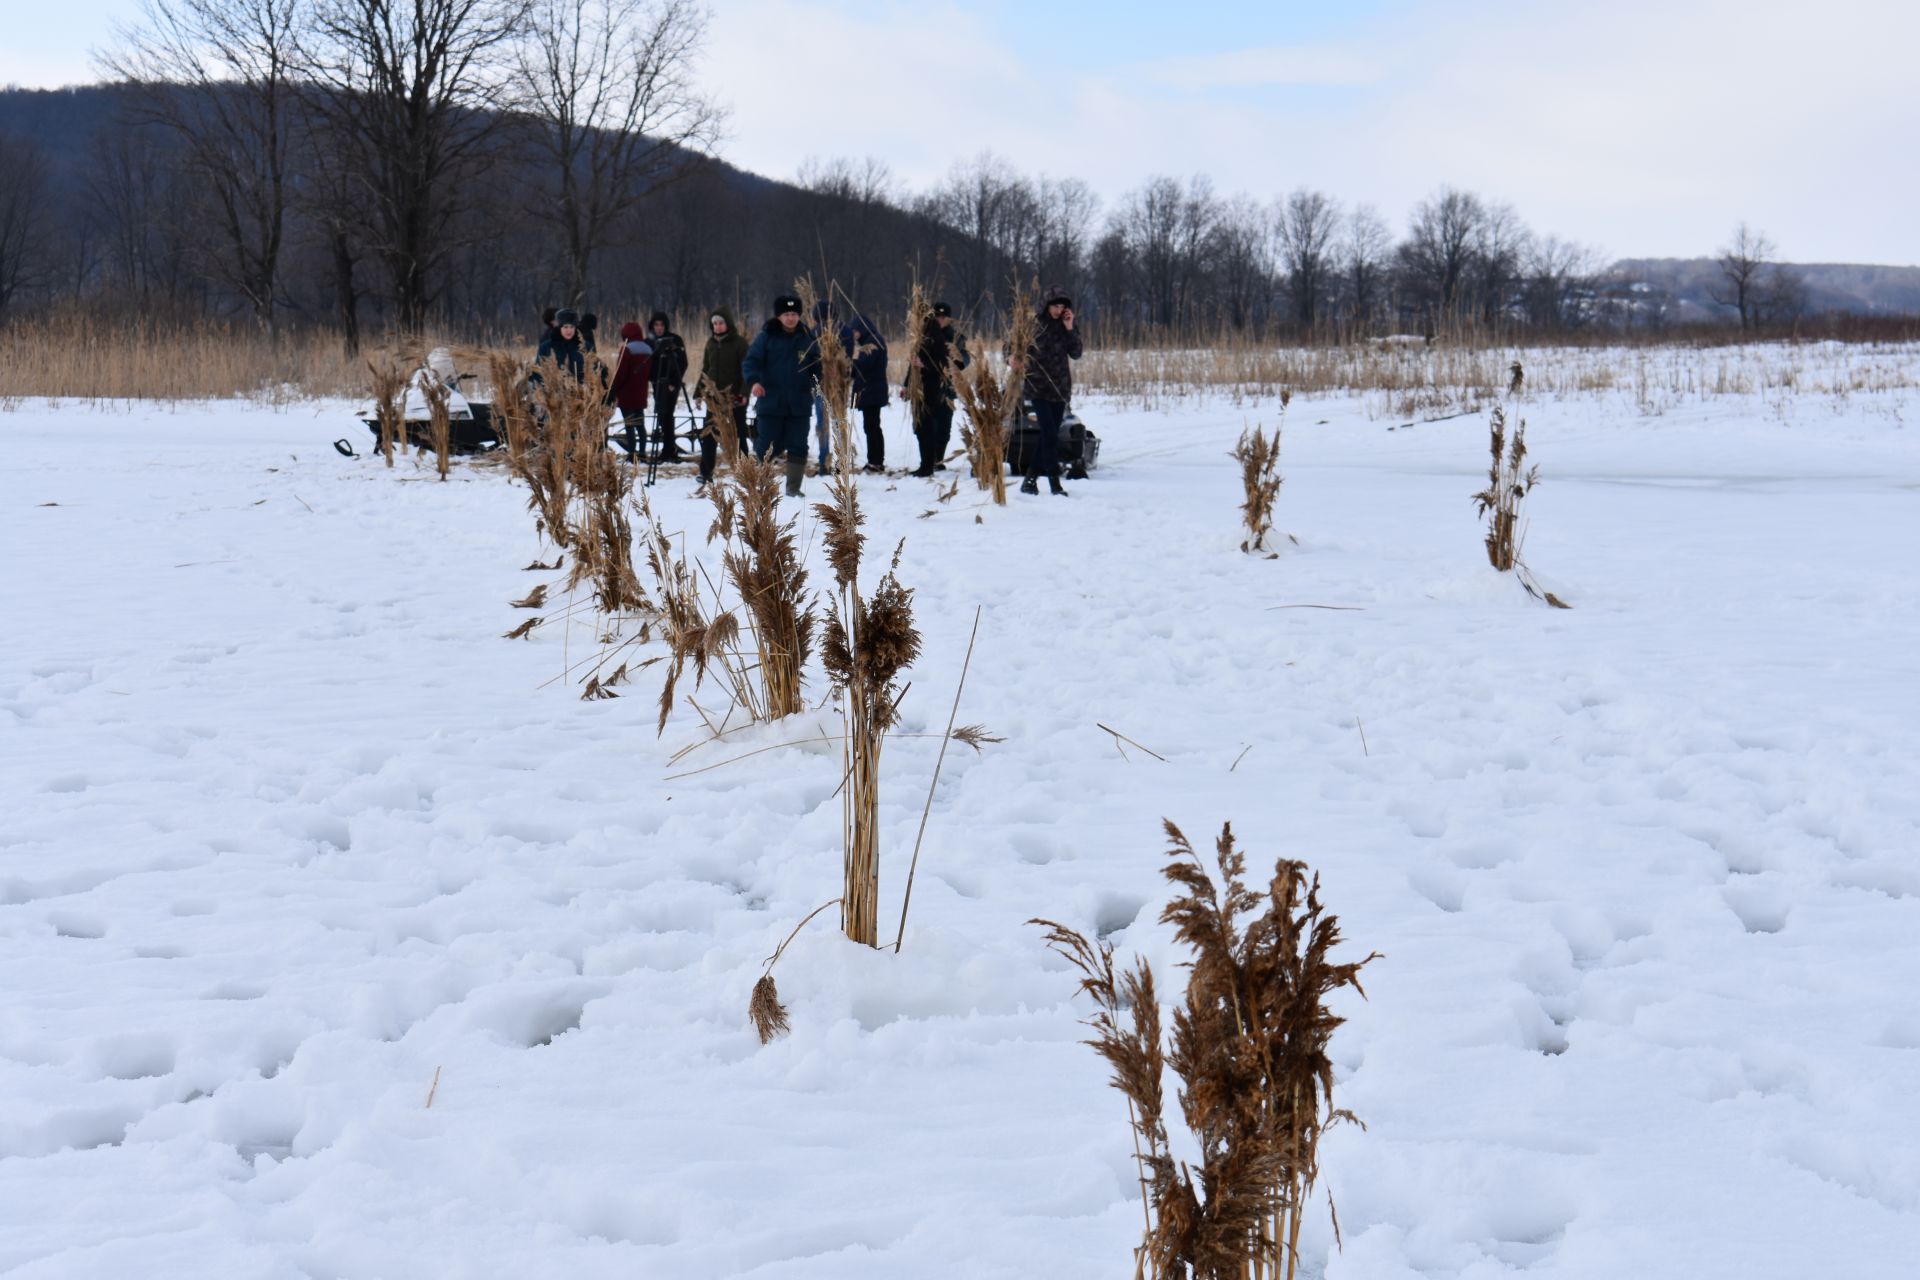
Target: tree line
x=374 y=165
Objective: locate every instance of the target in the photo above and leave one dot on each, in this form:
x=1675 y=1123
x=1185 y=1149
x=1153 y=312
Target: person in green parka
x=722 y=380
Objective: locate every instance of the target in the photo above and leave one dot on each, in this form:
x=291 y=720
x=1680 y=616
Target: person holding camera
x=1048 y=365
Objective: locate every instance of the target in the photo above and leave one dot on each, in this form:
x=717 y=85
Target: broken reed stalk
x=906 y=898
x=388 y=376
x=439 y=400
x=1249 y=1045
x=869 y=641
x=764 y=1010
x=1259 y=457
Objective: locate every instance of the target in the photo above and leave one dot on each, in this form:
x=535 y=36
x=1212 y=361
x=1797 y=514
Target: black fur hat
x=942 y=309
x=784 y=303
x=566 y=316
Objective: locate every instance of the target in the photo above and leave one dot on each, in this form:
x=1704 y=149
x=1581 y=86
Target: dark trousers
x=876 y=439
x=934 y=431
x=710 y=439
x=1045 y=459
x=634 y=425
x=665 y=400
x=778 y=434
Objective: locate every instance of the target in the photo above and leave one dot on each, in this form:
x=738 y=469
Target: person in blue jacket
x=782 y=370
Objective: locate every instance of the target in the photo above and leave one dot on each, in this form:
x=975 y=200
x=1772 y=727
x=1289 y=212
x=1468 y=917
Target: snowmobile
x=1079 y=447
x=470 y=422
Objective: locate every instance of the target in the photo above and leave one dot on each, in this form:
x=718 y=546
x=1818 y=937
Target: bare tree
x=1743 y=264
x=1365 y=247
x=1068 y=207
x=1438 y=253
x=1560 y=286
x=219 y=76
x=22 y=217
x=1500 y=247
x=610 y=85
x=984 y=199
x=412 y=95
x=1242 y=260
x=1309 y=224
x=1167 y=229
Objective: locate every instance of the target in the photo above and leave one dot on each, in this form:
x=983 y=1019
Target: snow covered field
x=288 y=833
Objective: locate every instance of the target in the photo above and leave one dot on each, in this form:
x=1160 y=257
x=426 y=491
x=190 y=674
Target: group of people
x=779 y=368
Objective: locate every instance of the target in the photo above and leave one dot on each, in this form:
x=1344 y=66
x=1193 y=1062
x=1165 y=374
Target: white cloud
x=1642 y=126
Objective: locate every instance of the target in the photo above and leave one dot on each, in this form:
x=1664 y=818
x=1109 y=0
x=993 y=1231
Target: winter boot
x=1030 y=485
x=1059 y=490
x=796 y=469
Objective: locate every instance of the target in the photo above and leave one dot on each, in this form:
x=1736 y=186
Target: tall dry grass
x=1249 y=1046
x=67 y=354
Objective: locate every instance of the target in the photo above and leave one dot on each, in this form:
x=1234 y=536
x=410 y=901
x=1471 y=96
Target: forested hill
x=104 y=210
x=116 y=210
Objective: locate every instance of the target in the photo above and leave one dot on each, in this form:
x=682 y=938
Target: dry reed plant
x=869 y=640
x=763 y=564
x=1509 y=481
x=439 y=422
x=694 y=637
x=1259 y=457
x=388 y=377
x=1249 y=1045
x=919 y=316
x=759 y=662
x=718 y=405
x=991 y=397
x=599 y=485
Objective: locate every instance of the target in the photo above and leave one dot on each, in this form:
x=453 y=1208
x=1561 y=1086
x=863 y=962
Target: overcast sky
x=1642 y=127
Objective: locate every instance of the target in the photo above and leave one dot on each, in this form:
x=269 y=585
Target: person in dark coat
x=631 y=377
x=669 y=374
x=724 y=382
x=868 y=352
x=562 y=343
x=589 y=333
x=782 y=369
x=942 y=349
x=1048 y=365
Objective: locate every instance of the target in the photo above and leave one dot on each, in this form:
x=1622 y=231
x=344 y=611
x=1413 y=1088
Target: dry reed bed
x=67 y=357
